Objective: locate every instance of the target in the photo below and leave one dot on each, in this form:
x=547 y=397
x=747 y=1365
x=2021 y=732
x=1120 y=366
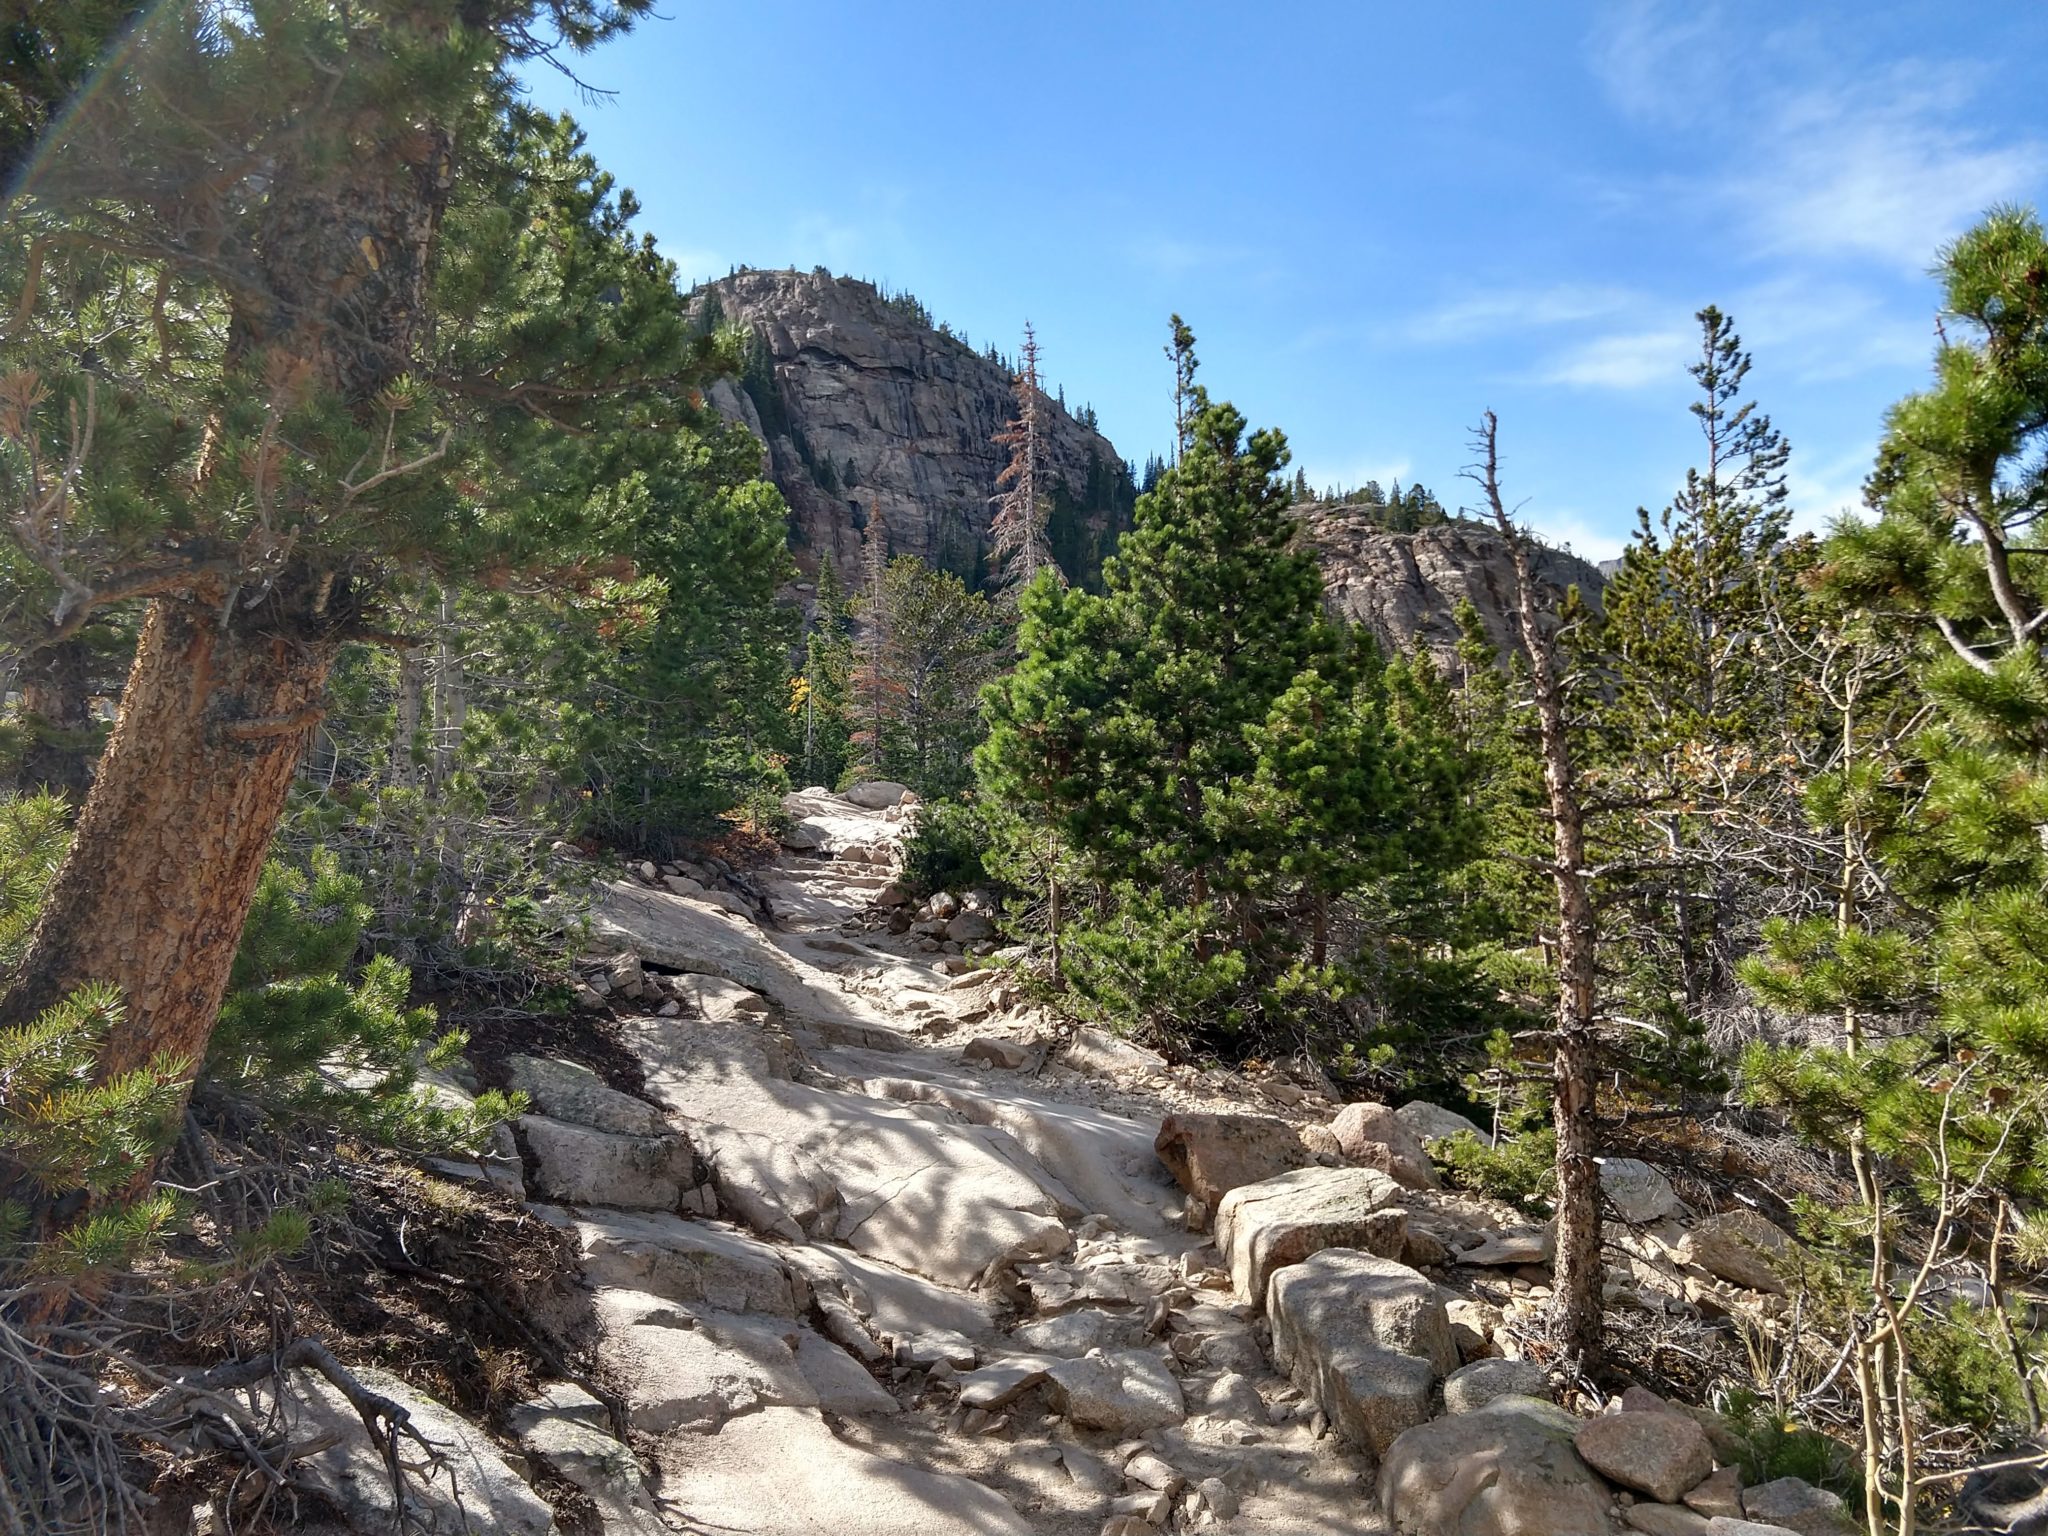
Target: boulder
x=970 y=927
x=1011 y=1055
x=565 y=1428
x=1718 y=1494
x=1721 y=1525
x=1739 y=1246
x=1282 y=1220
x=1374 y=1135
x=876 y=794
x=1658 y=1453
x=1664 y=1520
x=564 y=1090
x=690 y=1370
x=1126 y=1392
x=1472 y=1387
x=1512 y=1248
x=1080 y=1331
x=782 y=1472
x=1210 y=1155
x=580 y=1166
x=1366 y=1339
x=1797 y=1505
x=1099 y=1053
x=1434 y=1123
x=474 y=1493
x=1508 y=1469
x=1638 y=1192
x=703 y=1262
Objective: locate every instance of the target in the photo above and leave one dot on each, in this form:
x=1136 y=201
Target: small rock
x=1375 y=1136
x=1661 y=1454
x=1154 y=1473
x=1638 y=1192
x=1219 y=1496
x=1474 y=1386
x=1152 y=1508
x=1797 y=1505
x=1739 y=1247
x=1719 y=1494
x=1665 y=1520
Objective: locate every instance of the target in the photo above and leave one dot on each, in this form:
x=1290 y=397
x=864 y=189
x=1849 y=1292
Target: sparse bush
x=1521 y=1170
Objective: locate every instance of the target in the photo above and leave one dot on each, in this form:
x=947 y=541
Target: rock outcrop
x=866 y=410
x=1406 y=587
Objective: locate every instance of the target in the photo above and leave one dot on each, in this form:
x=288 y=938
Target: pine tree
x=1018 y=548
x=940 y=644
x=1201 y=746
x=1935 y=1083
x=265 y=468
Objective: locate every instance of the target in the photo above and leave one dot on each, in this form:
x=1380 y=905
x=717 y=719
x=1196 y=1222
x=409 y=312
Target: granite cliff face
x=867 y=410
x=1405 y=587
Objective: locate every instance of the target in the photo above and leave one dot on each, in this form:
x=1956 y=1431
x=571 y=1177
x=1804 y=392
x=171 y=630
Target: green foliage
x=1963 y=1370
x=1521 y=1170
x=65 y=1135
x=939 y=643
x=1205 y=754
x=945 y=850
x=305 y=1034
x=1775 y=1446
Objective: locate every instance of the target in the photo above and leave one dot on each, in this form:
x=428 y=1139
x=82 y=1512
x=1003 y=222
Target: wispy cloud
x=1624 y=360
x=1881 y=169
x=1567 y=529
x=1172 y=256
x=1497 y=311
x=1821 y=493
x=1818 y=157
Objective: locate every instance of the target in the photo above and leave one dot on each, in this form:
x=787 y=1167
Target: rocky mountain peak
x=1406 y=587
x=868 y=409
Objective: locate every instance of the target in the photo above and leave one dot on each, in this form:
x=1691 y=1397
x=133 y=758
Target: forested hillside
x=630 y=909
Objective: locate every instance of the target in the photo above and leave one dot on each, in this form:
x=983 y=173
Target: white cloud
x=1880 y=170
x=1571 y=530
x=1655 y=60
x=1495 y=311
x=1626 y=360
x=1822 y=492
x=1817 y=157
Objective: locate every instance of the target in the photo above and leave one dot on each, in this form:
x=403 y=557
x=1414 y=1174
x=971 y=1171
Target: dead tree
x=1017 y=533
x=1575 y=1322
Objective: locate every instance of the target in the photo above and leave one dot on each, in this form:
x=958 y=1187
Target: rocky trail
x=877 y=1250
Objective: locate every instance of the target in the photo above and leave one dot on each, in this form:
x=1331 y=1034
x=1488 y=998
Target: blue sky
x=1379 y=219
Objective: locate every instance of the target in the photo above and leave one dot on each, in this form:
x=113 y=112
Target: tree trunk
x=1575 y=1320
x=174 y=834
